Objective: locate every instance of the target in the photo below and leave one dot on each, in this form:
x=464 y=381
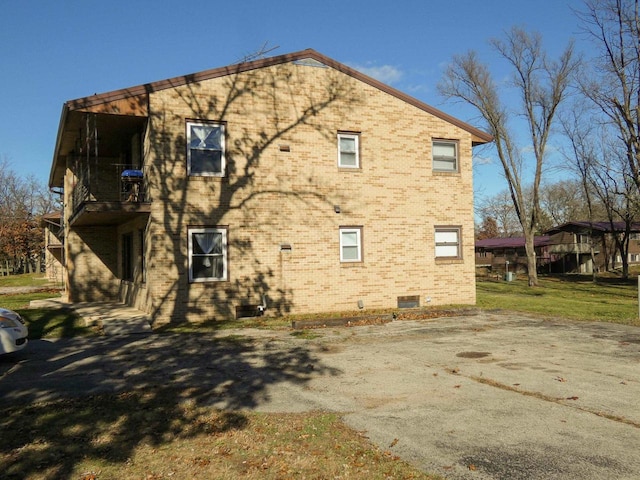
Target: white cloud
x=385 y=73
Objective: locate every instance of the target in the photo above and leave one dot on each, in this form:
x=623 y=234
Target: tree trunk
x=532 y=267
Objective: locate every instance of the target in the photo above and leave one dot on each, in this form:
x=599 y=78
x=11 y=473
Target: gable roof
x=584 y=227
x=134 y=100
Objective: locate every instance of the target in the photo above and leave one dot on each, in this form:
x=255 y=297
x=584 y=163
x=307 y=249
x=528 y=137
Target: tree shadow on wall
x=260 y=109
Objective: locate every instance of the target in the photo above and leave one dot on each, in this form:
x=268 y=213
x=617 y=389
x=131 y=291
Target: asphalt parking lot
x=486 y=396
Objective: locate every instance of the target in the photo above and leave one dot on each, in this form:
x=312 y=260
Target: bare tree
x=499 y=207
x=580 y=158
x=598 y=157
x=542 y=86
x=564 y=201
x=616 y=189
x=613 y=82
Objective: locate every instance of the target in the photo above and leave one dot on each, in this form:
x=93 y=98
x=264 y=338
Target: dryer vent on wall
x=410 y=301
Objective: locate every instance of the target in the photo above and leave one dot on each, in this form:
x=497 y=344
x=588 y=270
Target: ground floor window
x=207 y=254
x=350 y=244
x=447 y=241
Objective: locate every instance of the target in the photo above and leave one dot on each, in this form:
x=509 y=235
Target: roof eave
x=56 y=152
x=478 y=136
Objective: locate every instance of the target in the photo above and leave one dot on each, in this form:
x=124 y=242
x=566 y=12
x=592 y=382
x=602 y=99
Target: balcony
x=580 y=248
x=108 y=193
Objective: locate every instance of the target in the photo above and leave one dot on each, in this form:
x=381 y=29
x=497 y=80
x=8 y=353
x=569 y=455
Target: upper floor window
x=350 y=244
x=207 y=254
x=448 y=242
x=445 y=156
x=205 y=149
x=348 y=150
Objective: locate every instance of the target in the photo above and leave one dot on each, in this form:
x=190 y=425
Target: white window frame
x=349 y=231
x=356 y=140
x=446 y=245
x=217 y=125
x=440 y=161
x=192 y=255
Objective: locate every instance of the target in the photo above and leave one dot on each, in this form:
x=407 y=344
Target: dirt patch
x=383 y=318
x=473 y=354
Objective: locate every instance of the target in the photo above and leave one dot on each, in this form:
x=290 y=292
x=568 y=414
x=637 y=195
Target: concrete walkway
x=114 y=318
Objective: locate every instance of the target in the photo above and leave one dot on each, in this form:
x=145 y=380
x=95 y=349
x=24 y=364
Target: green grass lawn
x=25 y=280
x=610 y=299
x=577 y=298
x=42 y=322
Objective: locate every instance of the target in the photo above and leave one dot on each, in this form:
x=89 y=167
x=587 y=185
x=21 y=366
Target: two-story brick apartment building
x=292 y=182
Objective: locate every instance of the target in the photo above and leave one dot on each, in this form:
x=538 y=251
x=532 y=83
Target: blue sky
x=52 y=51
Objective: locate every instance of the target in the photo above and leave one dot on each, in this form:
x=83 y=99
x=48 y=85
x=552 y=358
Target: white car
x=13 y=331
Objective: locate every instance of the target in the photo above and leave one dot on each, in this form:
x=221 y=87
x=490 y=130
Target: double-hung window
x=445 y=156
x=447 y=240
x=207 y=254
x=348 y=150
x=205 y=149
x=350 y=244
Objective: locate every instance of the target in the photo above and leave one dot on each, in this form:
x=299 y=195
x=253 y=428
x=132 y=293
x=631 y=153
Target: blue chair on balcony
x=132 y=185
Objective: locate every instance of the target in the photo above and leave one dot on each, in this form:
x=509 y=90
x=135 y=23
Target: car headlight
x=7 y=323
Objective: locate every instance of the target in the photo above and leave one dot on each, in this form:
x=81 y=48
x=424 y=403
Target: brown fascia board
x=479 y=137
x=54 y=164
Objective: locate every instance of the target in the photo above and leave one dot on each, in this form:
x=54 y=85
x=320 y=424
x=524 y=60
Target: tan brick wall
x=92 y=263
x=271 y=197
x=53 y=255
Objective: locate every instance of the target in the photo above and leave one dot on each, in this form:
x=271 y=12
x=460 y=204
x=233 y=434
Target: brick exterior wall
x=281 y=187
x=92 y=264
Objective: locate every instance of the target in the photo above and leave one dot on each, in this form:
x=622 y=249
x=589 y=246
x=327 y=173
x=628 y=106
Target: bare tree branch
x=542 y=85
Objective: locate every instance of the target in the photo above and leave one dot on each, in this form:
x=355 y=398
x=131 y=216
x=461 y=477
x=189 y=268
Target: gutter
x=56 y=151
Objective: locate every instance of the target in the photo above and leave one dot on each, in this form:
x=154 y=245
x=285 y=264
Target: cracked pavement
x=495 y=395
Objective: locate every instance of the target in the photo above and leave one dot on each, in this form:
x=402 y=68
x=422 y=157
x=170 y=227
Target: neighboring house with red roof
x=562 y=249
x=500 y=255
x=573 y=241
x=291 y=184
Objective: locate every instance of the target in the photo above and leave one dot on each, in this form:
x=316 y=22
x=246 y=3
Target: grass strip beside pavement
x=161 y=434
x=579 y=298
x=572 y=297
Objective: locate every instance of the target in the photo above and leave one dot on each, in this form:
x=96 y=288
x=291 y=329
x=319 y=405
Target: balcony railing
x=112 y=183
x=570 y=248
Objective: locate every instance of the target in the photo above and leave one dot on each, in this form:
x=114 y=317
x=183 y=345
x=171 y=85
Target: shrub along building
x=286 y=184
